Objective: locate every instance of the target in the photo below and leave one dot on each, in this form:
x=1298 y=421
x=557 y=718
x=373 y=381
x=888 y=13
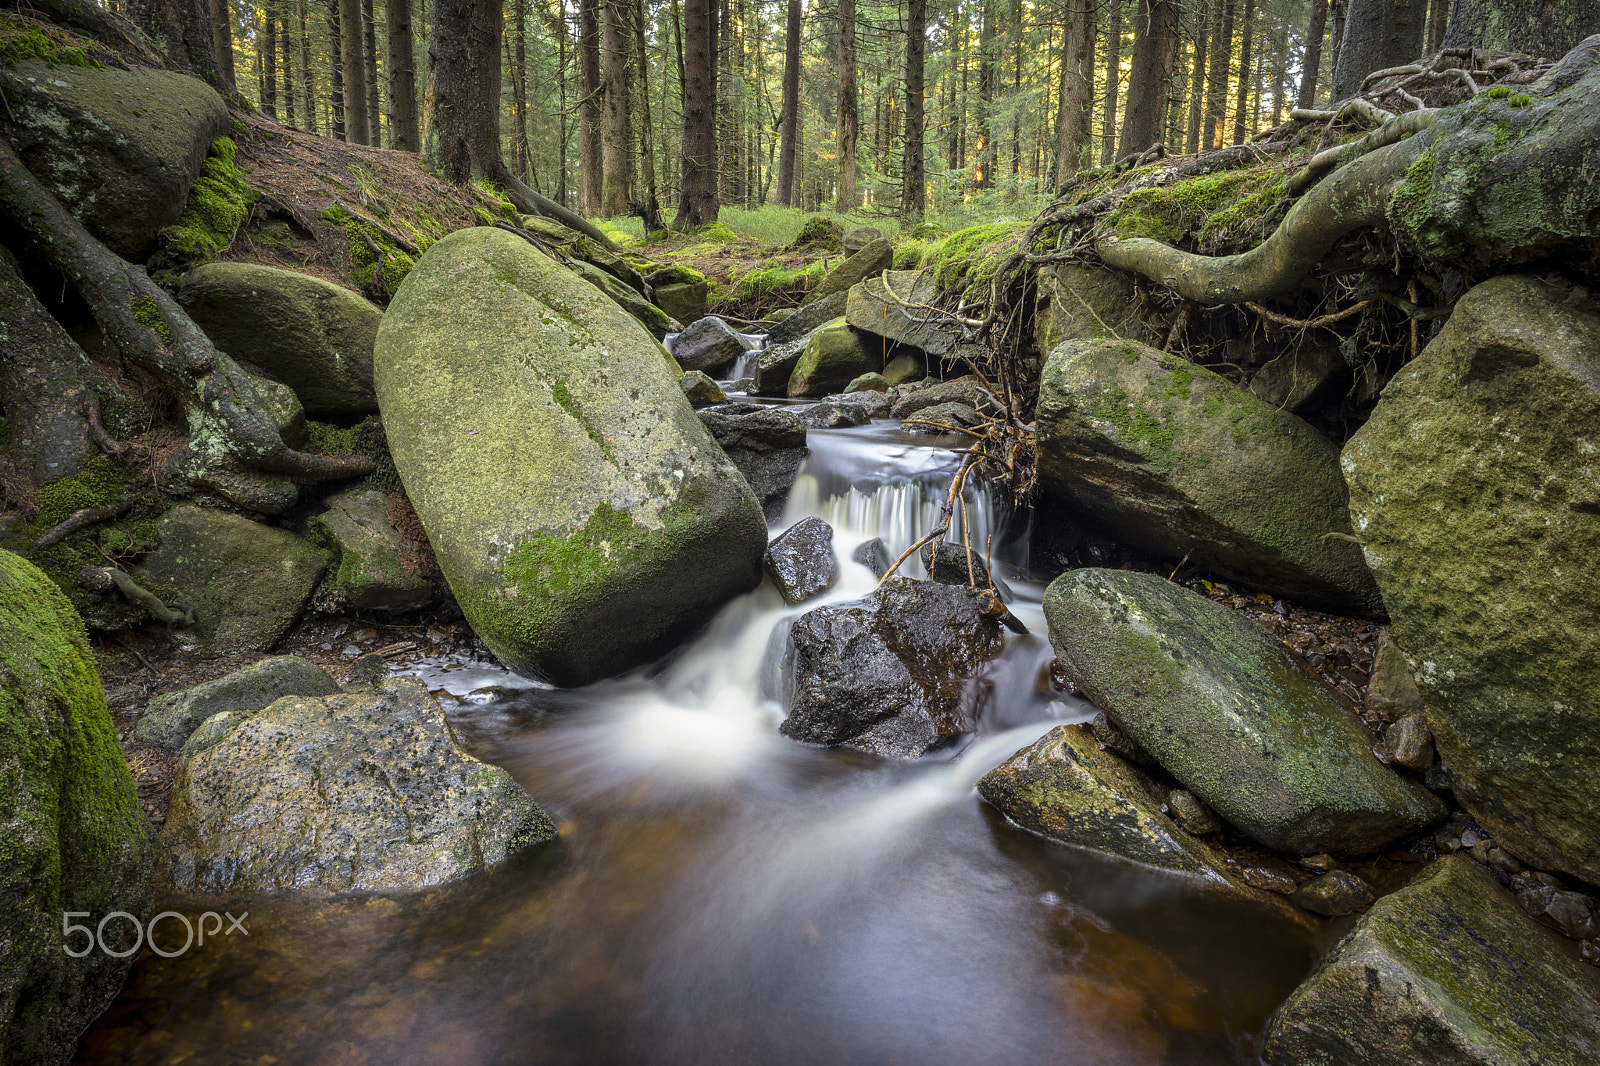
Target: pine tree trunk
x=517 y=64
x=286 y=39
x=697 y=189
x=788 y=192
x=402 y=66
x=987 y=77
x=614 y=135
x=914 y=190
x=649 y=203
x=222 y=39
x=1337 y=10
x=1241 y=108
x=182 y=30
x=267 y=46
x=1316 y=29
x=369 y=68
x=849 y=121
x=308 y=83
x=1108 y=127
x=1075 y=97
x=1438 y=19
x=1155 y=43
x=1217 y=80
x=355 y=75
x=1377 y=34
x=336 y=70
x=591 y=161
x=1197 y=73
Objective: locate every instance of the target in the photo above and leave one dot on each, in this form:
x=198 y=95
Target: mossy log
x=1499 y=180
x=235 y=448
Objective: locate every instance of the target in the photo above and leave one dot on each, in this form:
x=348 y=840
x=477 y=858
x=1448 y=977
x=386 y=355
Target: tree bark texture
x=1075 y=97
x=1377 y=34
x=1316 y=29
x=222 y=38
x=182 y=30
x=914 y=191
x=402 y=66
x=1242 y=108
x=354 y=72
x=788 y=191
x=1108 y=128
x=1197 y=74
x=1217 y=80
x=369 y=72
x=268 y=46
x=616 y=47
x=697 y=190
x=849 y=121
x=1155 y=45
x=988 y=91
x=336 y=70
x=591 y=166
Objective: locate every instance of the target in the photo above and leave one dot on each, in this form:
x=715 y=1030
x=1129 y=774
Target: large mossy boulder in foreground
x=582 y=514
x=75 y=838
x=310 y=334
x=364 y=791
x=1475 y=488
x=119 y=148
x=1444 y=972
x=1172 y=459
x=1229 y=712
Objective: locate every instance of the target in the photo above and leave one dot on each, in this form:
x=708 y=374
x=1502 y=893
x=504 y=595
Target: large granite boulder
x=1444 y=972
x=584 y=517
x=1172 y=459
x=891 y=674
x=171 y=717
x=378 y=568
x=310 y=334
x=1474 y=490
x=1088 y=301
x=833 y=357
x=75 y=838
x=120 y=148
x=1228 y=711
x=873 y=259
x=766 y=444
x=708 y=345
x=246 y=581
x=365 y=791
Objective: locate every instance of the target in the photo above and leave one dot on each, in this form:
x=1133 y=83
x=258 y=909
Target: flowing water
x=723 y=896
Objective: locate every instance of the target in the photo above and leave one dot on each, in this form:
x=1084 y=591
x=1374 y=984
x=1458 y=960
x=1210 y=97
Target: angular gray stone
x=310 y=334
x=903 y=369
x=800 y=561
x=947 y=564
x=807 y=319
x=684 y=301
x=874 y=403
x=584 y=517
x=942 y=418
x=1172 y=459
x=890 y=674
x=880 y=306
x=869 y=262
x=173 y=716
x=1392 y=692
x=1228 y=711
x=874 y=555
x=247 y=582
x=378 y=570
x=774 y=366
x=358 y=792
x=958 y=390
x=701 y=390
x=709 y=344
x=1444 y=972
x=856 y=239
x=766 y=445
x=833 y=415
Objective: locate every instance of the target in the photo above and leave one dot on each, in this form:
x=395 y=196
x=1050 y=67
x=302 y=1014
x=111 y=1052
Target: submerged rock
x=1227 y=710
x=1444 y=972
x=584 y=517
x=891 y=674
x=247 y=582
x=1473 y=490
x=801 y=562
x=709 y=344
x=377 y=569
x=1174 y=460
x=832 y=358
x=173 y=716
x=310 y=334
x=766 y=444
x=360 y=792
x=75 y=838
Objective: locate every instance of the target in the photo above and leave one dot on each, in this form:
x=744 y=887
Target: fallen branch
x=1308 y=323
x=102 y=579
x=81 y=519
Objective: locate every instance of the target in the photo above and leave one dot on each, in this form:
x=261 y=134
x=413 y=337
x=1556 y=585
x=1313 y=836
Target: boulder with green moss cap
x=833 y=357
x=582 y=514
x=75 y=839
x=1172 y=459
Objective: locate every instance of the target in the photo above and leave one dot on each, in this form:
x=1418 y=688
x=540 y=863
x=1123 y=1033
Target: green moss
x=969 y=258
x=24 y=38
x=546 y=570
x=363 y=235
x=1224 y=209
x=766 y=280
x=716 y=233
x=148 y=315
x=1497 y=92
x=365 y=438
x=219 y=203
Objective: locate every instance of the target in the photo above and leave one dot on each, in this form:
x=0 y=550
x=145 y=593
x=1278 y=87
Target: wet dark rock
x=709 y=344
x=1334 y=895
x=947 y=564
x=1268 y=876
x=1410 y=743
x=833 y=415
x=357 y=792
x=767 y=444
x=808 y=318
x=1589 y=952
x=1192 y=816
x=874 y=555
x=1109 y=736
x=891 y=674
x=873 y=259
x=1392 y=692
x=873 y=382
x=1571 y=914
x=173 y=716
x=962 y=390
x=1489 y=853
x=701 y=390
x=800 y=560
x=874 y=403
x=1303 y=378
x=904 y=368
x=1444 y=972
x=1228 y=711
x=774 y=366
x=943 y=417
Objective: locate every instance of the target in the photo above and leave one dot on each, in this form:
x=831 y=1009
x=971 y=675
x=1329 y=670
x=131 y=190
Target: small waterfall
x=744 y=366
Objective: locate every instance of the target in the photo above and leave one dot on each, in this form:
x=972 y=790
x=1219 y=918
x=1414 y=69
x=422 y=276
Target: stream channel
x=723 y=895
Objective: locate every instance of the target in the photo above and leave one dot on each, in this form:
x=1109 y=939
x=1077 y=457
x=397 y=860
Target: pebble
x=1335 y=894
x=1568 y=913
x=1589 y=952
x=1268 y=880
x=350 y=651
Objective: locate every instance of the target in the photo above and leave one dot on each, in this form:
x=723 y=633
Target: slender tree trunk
x=591 y=160
x=649 y=203
x=336 y=70
x=1076 y=95
x=1197 y=73
x=1155 y=43
x=286 y=38
x=788 y=193
x=307 y=77
x=1316 y=29
x=1280 y=75
x=849 y=122
x=1438 y=18
x=914 y=190
x=697 y=190
x=1108 y=128
x=1217 y=80
x=267 y=52
x=1337 y=10
x=561 y=32
x=355 y=73
x=222 y=38
x=402 y=67
x=614 y=135
x=1016 y=86
x=1377 y=34
x=987 y=91
x=369 y=66
x=1241 y=109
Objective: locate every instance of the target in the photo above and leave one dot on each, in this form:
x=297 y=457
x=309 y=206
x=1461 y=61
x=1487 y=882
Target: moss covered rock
x=173 y=716
x=1230 y=713
x=377 y=570
x=1473 y=489
x=584 y=517
x=653 y=318
x=360 y=792
x=247 y=582
x=683 y=301
x=1175 y=460
x=833 y=357
x=1444 y=972
x=74 y=838
x=120 y=148
x=308 y=333
x=892 y=304
x=869 y=262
